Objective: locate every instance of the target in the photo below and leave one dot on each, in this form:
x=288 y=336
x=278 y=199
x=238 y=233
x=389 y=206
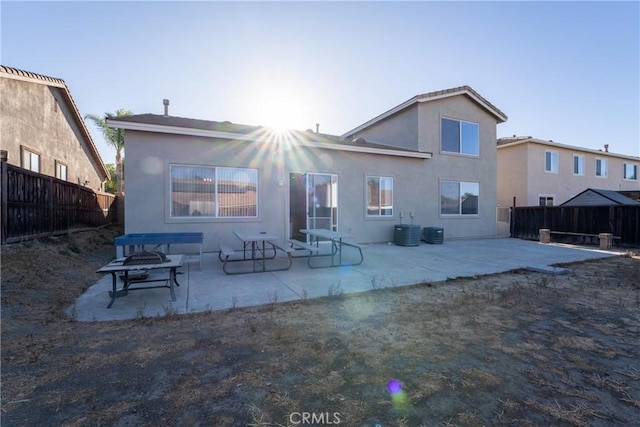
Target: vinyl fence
x=36 y=205
x=622 y=221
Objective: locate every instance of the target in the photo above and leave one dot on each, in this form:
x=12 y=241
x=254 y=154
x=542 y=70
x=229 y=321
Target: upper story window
x=459 y=198
x=578 y=165
x=601 y=168
x=30 y=160
x=214 y=192
x=61 y=171
x=460 y=137
x=379 y=196
x=550 y=161
x=630 y=171
x=545 y=200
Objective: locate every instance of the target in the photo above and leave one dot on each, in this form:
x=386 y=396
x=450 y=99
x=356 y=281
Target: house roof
x=239 y=132
x=592 y=197
x=27 y=76
x=433 y=96
x=512 y=141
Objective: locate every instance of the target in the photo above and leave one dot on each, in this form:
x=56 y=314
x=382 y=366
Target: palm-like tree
x=114 y=137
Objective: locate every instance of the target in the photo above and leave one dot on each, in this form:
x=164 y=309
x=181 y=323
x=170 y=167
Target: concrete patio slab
x=209 y=288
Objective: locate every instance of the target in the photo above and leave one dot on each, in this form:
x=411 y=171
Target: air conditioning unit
x=406 y=234
x=433 y=235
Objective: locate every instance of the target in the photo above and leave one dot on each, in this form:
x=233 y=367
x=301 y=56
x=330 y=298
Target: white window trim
x=624 y=171
x=583 y=165
x=170 y=218
x=459 y=153
x=547 y=196
x=24 y=149
x=66 y=170
x=366 y=210
x=595 y=165
x=551 y=165
x=460 y=214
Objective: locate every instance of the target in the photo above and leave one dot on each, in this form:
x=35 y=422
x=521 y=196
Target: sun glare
x=283 y=110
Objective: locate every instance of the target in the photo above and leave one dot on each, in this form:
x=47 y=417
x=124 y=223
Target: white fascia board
x=144 y=127
x=369 y=150
x=568 y=147
x=486 y=106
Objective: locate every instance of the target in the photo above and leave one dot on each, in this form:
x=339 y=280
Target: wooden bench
x=605 y=240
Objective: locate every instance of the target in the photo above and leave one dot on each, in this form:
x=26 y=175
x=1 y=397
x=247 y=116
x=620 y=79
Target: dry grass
x=519 y=348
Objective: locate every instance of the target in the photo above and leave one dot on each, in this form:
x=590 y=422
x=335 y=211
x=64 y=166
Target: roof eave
x=567 y=147
x=499 y=115
x=175 y=130
x=26 y=76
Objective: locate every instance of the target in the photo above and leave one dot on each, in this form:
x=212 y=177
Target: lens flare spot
x=152 y=165
x=399 y=399
x=394 y=387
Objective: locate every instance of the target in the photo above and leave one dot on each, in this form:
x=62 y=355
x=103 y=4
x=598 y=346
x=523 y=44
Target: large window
x=551 y=161
x=460 y=137
x=578 y=165
x=30 y=160
x=630 y=171
x=459 y=198
x=379 y=196
x=215 y=192
x=601 y=168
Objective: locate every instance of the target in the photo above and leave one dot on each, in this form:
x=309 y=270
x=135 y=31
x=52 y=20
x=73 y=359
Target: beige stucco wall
x=37 y=117
x=460 y=167
x=400 y=130
x=512 y=173
x=150 y=155
x=534 y=181
x=416 y=182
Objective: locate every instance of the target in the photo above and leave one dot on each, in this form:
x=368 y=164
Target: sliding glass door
x=313 y=202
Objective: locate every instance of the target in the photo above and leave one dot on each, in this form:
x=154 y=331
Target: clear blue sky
x=563 y=71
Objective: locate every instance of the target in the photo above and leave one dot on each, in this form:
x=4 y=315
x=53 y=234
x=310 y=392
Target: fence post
x=4 y=195
x=51 y=205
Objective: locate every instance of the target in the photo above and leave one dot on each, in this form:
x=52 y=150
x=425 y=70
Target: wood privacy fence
x=36 y=205
x=622 y=221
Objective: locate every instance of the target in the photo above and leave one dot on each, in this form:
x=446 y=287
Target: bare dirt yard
x=519 y=348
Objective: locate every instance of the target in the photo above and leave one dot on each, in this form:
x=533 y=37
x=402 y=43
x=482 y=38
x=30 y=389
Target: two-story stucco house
x=533 y=172
x=429 y=161
x=42 y=130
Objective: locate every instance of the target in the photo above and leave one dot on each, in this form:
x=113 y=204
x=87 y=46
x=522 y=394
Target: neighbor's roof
x=433 y=96
x=27 y=76
x=592 y=196
x=239 y=132
x=512 y=141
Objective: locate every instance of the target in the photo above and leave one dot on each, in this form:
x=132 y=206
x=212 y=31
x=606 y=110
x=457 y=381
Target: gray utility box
x=406 y=234
x=433 y=235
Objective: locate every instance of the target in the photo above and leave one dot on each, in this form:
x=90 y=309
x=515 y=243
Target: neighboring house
x=42 y=130
x=430 y=161
x=594 y=197
x=533 y=172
